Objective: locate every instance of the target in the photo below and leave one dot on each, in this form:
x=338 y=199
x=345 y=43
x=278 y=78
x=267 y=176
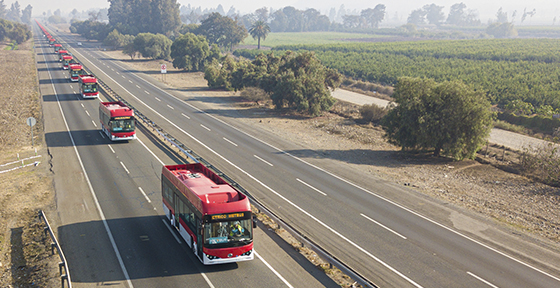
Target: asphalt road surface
x=109 y=204
x=392 y=235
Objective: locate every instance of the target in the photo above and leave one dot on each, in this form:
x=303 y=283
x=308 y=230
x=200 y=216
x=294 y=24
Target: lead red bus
x=117 y=121
x=88 y=86
x=213 y=218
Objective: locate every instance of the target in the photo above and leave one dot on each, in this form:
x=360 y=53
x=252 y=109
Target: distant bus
x=212 y=217
x=75 y=70
x=117 y=121
x=66 y=59
x=62 y=53
x=57 y=47
x=88 y=86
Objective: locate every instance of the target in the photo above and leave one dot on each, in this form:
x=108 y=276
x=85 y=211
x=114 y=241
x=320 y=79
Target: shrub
x=255 y=94
x=372 y=113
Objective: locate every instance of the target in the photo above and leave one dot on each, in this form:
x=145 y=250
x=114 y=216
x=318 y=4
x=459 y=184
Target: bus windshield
x=89 y=88
x=125 y=125
x=228 y=232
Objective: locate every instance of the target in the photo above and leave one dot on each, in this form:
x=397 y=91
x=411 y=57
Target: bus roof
x=88 y=79
x=208 y=192
x=62 y=51
x=75 y=66
x=66 y=57
x=117 y=109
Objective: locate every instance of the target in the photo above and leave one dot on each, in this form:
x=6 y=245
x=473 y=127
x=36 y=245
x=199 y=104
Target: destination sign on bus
x=227 y=216
x=122 y=118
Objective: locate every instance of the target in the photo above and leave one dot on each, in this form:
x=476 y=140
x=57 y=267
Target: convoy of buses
x=213 y=217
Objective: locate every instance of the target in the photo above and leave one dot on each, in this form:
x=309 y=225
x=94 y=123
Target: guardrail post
x=62 y=278
x=60 y=265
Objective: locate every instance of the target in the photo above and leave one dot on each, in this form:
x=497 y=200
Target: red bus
x=66 y=59
x=51 y=41
x=57 y=47
x=75 y=70
x=212 y=217
x=117 y=121
x=88 y=86
x=61 y=53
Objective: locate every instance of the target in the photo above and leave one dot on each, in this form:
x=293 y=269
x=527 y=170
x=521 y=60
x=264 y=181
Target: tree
x=259 y=30
x=191 y=52
x=416 y=17
x=449 y=118
x=457 y=15
x=501 y=16
x=501 y=30
x=262 y=14
x=114 y=39
x=14 y=14
x=155 y=46
x=378 y=15
x=222 y=30
x=434 y=13
x=2 y=9
x=144 y=16
x=26 y=14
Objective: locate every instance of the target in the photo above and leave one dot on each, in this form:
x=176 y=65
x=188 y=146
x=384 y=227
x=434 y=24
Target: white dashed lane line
x=157 y=99
x=147 y=92
x=230 y=142
x=270 y=164
x=94 y=123
x=185 y=116
x=205 y=127
x=383 y=226
x=171 y=107
x=317 y=190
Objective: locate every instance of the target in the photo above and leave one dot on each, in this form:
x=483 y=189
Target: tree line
x=15 y=14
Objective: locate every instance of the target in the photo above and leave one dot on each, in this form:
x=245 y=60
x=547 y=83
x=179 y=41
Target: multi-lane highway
x=109 y=203
x=388 y=233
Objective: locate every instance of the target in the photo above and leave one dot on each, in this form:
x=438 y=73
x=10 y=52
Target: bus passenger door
x=176 y=204
x=199 y=238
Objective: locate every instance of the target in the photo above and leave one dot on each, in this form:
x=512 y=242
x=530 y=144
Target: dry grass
x=25 y=259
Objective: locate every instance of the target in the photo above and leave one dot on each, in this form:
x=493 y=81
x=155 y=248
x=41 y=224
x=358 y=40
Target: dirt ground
x=25 y=254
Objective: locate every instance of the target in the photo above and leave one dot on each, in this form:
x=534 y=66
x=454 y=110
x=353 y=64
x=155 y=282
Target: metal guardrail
x=66 y=275
x=321 y=252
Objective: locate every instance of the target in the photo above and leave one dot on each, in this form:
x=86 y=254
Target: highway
x=109 y=204
x=391 y=234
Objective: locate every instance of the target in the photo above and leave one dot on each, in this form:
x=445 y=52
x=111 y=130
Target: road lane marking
x=145 y=196
x=230 y=142
x=270 y=164
x=123 y=77
x=147 y=92
x=171 y=107
x=273 y=270
x=87 y=113
x=482 y=280
x=157 y=158
x=94 y=123
x=137 y=86
x=317 y=190
x=157 y=99
x=122 y=164
x=383 y=226
x=185 y=116
x=260 y=182
x=94 y=196
x=103 y=136
x=130 y=81
x=83 y=105
x=111 y=148
x=118 y=73
x=205 y=127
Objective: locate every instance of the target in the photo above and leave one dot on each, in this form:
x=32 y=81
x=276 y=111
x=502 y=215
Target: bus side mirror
x=254 y=221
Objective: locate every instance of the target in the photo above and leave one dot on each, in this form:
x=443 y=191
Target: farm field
x=287 y=38
x=503 y=69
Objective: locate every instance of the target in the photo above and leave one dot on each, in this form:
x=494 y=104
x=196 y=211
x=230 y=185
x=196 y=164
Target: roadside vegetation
x=25 y=182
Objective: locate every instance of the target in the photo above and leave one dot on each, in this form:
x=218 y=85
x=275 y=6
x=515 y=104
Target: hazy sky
x=546 y=9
